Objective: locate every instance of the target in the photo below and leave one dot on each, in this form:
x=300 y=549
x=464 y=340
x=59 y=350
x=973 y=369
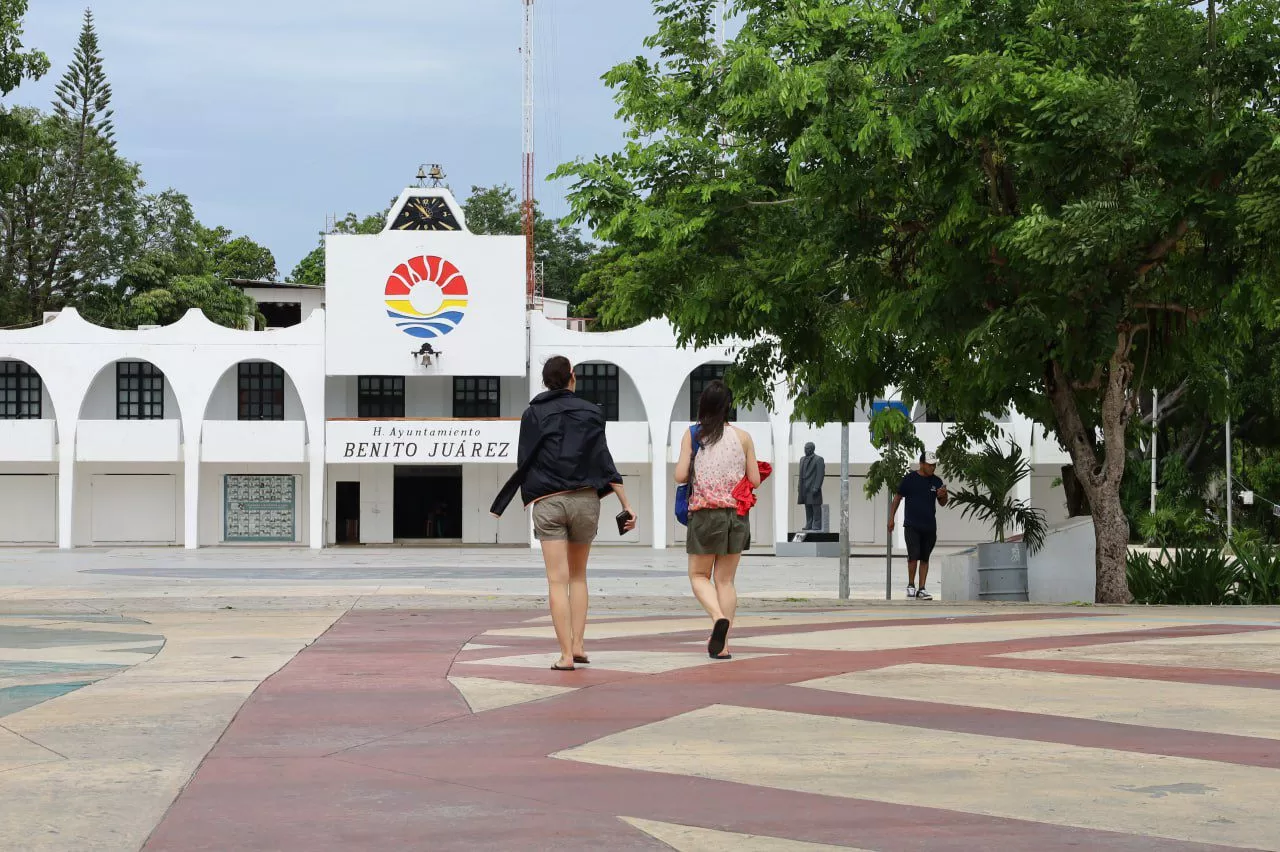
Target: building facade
x=383 y=408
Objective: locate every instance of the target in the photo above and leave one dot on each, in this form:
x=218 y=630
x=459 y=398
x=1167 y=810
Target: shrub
x=1189 y=577
x=1259 y=575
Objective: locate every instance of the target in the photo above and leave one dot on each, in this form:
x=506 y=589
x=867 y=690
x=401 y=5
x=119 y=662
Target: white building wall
x=100 y=401
x=224 y=403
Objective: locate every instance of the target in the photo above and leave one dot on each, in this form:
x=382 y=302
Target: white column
x=66 y=484
x=191 y=490
x=315 y=495
x=781 y=478
x=662 y=507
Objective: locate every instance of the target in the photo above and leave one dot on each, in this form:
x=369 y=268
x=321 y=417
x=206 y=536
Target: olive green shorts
x=568 y=517
x=717 y=532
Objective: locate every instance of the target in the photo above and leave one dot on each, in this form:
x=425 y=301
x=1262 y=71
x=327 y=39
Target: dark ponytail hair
x=713 y=412
x=557 y=372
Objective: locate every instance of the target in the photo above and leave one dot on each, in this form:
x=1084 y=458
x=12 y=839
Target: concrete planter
x=1002 y=571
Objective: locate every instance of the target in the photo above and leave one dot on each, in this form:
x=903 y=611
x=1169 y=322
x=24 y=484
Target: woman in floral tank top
x=717 y=533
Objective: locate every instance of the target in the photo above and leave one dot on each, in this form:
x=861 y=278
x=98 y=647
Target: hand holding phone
x=626 y=522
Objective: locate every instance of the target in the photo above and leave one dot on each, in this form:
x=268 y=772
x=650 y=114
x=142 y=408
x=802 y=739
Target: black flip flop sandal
x=722 y=657
x=582 y=659
x=563 y=668
x=719 y=636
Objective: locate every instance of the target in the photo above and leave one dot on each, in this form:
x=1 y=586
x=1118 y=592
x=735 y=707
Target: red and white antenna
x=527 y=202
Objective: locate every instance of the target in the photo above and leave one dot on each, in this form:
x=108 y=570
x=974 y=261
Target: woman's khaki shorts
x=717 y=532
x=568 y=517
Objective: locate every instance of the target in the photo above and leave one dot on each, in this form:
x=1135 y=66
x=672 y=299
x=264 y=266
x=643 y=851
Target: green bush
x=1259 y=569
x=1203 y=576
x=1188 y=577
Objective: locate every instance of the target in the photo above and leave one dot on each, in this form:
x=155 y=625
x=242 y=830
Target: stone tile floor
x=251 y=710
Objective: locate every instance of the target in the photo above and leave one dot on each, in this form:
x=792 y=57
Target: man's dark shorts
x=919 y=543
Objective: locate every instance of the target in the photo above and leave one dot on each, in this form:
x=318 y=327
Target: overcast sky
x=272 y=114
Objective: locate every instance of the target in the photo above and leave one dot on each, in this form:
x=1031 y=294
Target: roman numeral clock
x=426 y=214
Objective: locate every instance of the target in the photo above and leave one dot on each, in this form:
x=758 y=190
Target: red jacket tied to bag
x=745 y=493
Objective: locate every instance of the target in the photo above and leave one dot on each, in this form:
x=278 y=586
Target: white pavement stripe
x=1150 y=795
x=1158 y=704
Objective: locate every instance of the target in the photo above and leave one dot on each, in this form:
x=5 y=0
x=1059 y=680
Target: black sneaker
x=911 y=591
x=922 y=595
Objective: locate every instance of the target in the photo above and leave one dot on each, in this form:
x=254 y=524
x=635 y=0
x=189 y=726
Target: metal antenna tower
x=527 y=202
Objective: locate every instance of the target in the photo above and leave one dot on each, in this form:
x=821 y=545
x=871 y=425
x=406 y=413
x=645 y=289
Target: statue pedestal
x=822 y=545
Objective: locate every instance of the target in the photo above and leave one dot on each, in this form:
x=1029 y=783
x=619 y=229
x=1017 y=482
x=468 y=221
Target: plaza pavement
x=402 y=700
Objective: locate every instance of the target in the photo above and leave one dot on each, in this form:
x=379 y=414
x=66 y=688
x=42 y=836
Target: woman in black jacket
x=564 y=469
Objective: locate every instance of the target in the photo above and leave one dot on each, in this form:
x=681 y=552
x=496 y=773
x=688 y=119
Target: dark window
x=261 y=392
x=476 y=396
x=598 y=383
x=139 y=391
x=698 y=381
x=20 y=391
x=280 y=314
x=381 y=396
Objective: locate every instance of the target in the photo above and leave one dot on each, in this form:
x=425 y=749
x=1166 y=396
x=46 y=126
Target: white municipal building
x=325 y=428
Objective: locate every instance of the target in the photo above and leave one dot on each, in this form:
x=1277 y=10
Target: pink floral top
x=717 y=469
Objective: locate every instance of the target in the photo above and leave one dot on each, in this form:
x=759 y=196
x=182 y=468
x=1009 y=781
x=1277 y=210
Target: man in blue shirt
x=924 y=493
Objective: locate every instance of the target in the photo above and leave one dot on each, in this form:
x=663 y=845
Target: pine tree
x=84 y=95
x=72 y=217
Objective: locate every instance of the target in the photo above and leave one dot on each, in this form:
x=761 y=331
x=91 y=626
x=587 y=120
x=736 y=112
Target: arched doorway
x=28 y=457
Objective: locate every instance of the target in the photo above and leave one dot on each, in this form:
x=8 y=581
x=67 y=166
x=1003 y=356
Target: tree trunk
x=1111 y=550
x=1100 y=479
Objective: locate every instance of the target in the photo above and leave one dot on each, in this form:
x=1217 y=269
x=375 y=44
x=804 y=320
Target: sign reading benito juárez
x=422 y=442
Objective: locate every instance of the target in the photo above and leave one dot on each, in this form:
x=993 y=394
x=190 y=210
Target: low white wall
x=1064 y=571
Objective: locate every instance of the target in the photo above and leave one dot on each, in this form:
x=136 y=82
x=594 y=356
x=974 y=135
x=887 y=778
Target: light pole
x=1229 y=469
x=844 y=511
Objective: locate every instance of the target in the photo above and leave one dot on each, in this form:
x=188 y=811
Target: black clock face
x=426 y=214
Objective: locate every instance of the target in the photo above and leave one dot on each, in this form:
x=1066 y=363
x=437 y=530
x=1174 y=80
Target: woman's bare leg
x=723 y=575
x=578 y=555
x=700 y=579
x=555 y=555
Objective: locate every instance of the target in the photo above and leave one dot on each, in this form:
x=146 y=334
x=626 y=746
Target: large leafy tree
x=16 y=64
x=178 y=264
x=68 y=219
x=983 y=202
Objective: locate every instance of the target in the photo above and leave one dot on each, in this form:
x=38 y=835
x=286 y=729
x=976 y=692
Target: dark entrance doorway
x=428 y=503
x=348 y=506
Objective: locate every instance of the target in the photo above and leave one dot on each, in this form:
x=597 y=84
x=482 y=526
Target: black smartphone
x=622 y=519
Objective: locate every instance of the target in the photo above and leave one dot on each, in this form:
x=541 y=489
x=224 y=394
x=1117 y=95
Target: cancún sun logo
x=427 y=297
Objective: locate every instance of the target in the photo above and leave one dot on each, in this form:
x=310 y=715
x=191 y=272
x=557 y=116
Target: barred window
x=599 y=383
x=139 y=391
x=261 y=389
x=381 y=396
x=698 y=381
x=477 y=396
x=20 y=391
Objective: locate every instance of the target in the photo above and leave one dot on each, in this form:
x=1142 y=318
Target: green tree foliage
x=76 y=229
x=68 y=219
x=565 y=256
x=16 y=64
x=1006 y=202
x=310 y=270
x=177 y=265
